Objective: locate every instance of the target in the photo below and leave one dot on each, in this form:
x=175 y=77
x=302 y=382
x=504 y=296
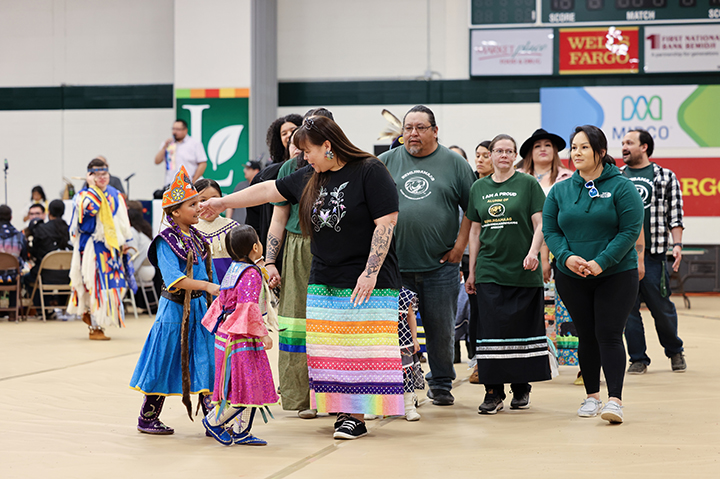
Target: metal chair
x=54 y=261
x=9 y=262
x=145 y=286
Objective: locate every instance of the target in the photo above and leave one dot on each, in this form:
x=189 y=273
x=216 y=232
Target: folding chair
x=145 y=287
x=54 y=261
x=9 y=262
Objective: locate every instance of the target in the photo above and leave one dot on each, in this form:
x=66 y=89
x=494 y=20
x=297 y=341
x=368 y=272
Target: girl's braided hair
x=202 y=247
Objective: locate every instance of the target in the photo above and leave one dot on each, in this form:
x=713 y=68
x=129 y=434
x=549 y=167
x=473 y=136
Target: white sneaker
x=307 y=414
x=590 y=407
x=612 y=412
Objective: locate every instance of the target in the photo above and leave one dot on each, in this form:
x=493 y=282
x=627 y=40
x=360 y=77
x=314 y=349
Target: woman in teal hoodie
x=591 y=223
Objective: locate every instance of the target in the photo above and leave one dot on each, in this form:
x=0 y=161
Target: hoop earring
x=329 y=155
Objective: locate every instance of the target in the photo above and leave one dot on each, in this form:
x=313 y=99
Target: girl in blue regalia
x=178 y=356
x=99 y=231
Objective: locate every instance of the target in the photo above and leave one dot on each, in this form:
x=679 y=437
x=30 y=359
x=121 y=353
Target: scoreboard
x=486 y=13
x=572 y=11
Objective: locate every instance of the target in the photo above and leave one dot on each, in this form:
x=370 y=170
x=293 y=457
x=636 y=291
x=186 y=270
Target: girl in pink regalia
x=238 y=317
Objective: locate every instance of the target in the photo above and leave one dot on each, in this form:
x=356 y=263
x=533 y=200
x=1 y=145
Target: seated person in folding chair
x=46 y=238
x=13 y=242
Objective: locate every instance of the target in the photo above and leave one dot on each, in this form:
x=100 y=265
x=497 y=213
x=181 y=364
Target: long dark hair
x=239 y=242
x=273 y=140
x=138 y=221
x=597 y=140
x=38 y=189
x=315 y=131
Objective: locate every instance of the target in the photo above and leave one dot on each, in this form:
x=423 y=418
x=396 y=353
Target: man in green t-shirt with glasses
x=433 y=183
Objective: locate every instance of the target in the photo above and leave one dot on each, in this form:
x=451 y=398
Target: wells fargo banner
x=598 y=50
x=700 y=182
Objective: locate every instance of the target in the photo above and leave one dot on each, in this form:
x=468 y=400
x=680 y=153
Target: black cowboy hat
x=541 y=134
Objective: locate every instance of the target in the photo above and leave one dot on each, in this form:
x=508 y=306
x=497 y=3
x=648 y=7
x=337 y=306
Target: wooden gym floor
x=66 y=412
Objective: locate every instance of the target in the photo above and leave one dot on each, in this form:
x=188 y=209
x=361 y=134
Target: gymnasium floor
x=67 y=412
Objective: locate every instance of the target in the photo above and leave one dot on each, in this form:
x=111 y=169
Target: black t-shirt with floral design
x=343 y=221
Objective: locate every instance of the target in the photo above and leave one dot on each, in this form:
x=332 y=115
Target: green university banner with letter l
x=219 y=118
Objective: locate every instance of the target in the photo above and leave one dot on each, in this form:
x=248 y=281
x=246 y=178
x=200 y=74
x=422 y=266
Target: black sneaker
x=637 y=368
x=677 y=363
x=441 y=397
x=492 y=404
x=521 y=400
x=351 y=428
x=341 y=417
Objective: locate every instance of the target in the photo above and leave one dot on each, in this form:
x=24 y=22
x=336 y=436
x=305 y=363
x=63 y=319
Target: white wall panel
x=115 y=42
x=212 y=44
x=86 y=42
x=372 y=39
x=27 y=43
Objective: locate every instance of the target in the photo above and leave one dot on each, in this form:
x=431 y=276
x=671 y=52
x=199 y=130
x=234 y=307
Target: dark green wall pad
x=87 y=97
x=476 y=90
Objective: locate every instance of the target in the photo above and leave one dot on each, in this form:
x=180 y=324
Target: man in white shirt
x=182 y=150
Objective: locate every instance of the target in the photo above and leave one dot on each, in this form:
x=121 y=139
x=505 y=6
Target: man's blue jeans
x=661 y=308
x=438 y=294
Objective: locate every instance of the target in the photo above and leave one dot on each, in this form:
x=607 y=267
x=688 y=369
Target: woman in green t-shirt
x=505 y=239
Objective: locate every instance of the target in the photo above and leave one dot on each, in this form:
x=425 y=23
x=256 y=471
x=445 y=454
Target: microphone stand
x=6 y=170
x=127 y=181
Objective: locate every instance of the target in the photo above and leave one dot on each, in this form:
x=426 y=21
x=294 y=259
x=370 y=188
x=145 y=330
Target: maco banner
x=684 y=116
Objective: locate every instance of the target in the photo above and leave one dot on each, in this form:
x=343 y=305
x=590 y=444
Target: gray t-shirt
x=430 y=189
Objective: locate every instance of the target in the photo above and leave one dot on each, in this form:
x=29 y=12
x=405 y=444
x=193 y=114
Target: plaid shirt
x=665 y=208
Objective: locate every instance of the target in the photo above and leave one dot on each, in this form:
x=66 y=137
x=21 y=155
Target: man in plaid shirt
x=662 y=198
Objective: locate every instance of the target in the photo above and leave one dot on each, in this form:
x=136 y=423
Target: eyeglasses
x=504 y=152
x=592 y=191
x=407 y=129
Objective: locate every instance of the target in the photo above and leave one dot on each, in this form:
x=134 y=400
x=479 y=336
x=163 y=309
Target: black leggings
x=599 y=307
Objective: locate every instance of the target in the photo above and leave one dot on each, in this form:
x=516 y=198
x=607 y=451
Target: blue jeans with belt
x=662 y=310
x=437 y=292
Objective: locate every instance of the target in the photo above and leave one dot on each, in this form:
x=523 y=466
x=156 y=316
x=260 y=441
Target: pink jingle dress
x=242 y=372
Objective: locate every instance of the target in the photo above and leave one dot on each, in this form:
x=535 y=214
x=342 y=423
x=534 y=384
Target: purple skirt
x=242 y=372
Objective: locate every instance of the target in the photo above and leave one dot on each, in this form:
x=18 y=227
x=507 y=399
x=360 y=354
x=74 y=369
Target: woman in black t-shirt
x=348 y=206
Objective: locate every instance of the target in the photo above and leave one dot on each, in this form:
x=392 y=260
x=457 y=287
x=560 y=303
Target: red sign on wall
x=700 y=183
x=598 y=50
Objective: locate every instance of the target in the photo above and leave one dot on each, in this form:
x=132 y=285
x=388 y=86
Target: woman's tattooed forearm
x=273 y=247
x=379 y=248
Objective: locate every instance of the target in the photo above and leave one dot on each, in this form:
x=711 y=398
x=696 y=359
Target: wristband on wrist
x=268 y=264
x=677 y=244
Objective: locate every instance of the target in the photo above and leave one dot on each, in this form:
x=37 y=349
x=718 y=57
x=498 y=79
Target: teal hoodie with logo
x=603 y=228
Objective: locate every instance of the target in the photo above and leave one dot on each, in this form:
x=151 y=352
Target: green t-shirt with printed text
x=504 y=211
